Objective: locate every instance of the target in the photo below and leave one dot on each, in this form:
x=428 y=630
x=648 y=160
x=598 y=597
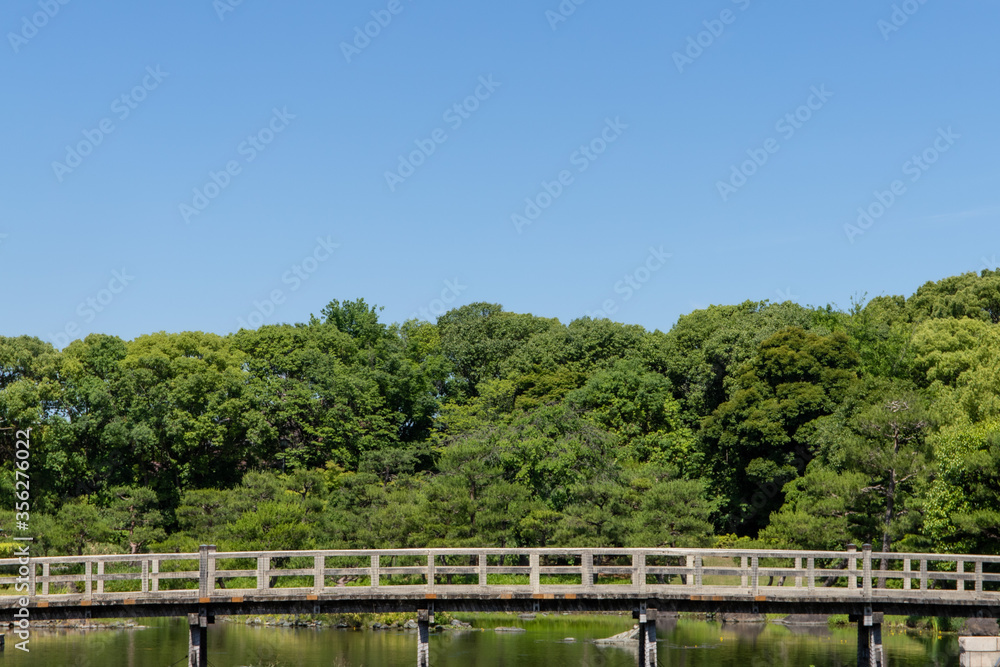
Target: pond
x=548 y=641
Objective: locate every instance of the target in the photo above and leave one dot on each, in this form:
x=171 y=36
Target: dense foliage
x=790 y=425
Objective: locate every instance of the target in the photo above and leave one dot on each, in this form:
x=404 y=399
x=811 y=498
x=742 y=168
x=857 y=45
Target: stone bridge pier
x=198 y=638
x=647 y=636
x=424 y=619
x=870 y=653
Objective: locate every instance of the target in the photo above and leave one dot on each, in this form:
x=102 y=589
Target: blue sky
x=202 y=166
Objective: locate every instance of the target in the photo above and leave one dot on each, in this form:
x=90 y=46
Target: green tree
x=707 y=347
x=957 y=297
x=77 y=526
x=759 y=438
x=274 y=525
x=955 y=360
x=132 y=511
x=668 y=511
x=889 y=449
x=881 y=333
x=560 y=359
x=963 y=505
x=204 y=513
x=479 y=338
x=356 y=319
x=638 y=405
x=820 y=511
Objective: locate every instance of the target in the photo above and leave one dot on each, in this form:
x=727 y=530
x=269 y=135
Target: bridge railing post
x=698 y=571
x=430 y=570
x=483 y=579
x=45 y=578
x=979 y=576
x=535 y=576
x=639 y=570
x=745 y=571
x=100 y=577
x=206 y=570
x=587 y=569
x=154 y=575
x=798 y=568
x=866 y=584
x=145 y=575
x=906 y=574
x=852 y=566
x=754 y=574
x=923 y=574
x=374 y=571
x=89 y=579
x=263 y=565
x=689 y=563
x=319 y=573
x=212 y=565
x=811 y=571
x=960 y=570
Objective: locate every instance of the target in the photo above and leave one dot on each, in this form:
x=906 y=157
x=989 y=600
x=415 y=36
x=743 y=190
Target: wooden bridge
x=863 y=584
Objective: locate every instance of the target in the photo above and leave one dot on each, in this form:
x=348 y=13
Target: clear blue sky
x=678 y=128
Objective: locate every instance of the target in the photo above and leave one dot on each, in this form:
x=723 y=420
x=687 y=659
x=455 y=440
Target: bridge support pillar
x=870 y=652
x=647 y=636
x=198 y=638
x=423 y=636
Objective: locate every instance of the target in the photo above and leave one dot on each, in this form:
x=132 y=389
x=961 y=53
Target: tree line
x=772 y=424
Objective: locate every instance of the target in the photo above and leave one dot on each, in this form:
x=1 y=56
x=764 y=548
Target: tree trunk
x=890 y=502
x=830 y=581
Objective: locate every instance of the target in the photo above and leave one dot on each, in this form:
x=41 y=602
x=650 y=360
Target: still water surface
x=683 y=643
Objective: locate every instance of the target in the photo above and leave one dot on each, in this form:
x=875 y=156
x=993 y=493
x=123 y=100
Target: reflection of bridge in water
x=422 y=581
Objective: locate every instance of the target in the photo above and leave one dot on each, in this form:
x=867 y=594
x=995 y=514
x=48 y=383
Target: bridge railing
x=534 y=571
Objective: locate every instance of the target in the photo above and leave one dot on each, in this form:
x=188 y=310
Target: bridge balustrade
x=626 y=572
